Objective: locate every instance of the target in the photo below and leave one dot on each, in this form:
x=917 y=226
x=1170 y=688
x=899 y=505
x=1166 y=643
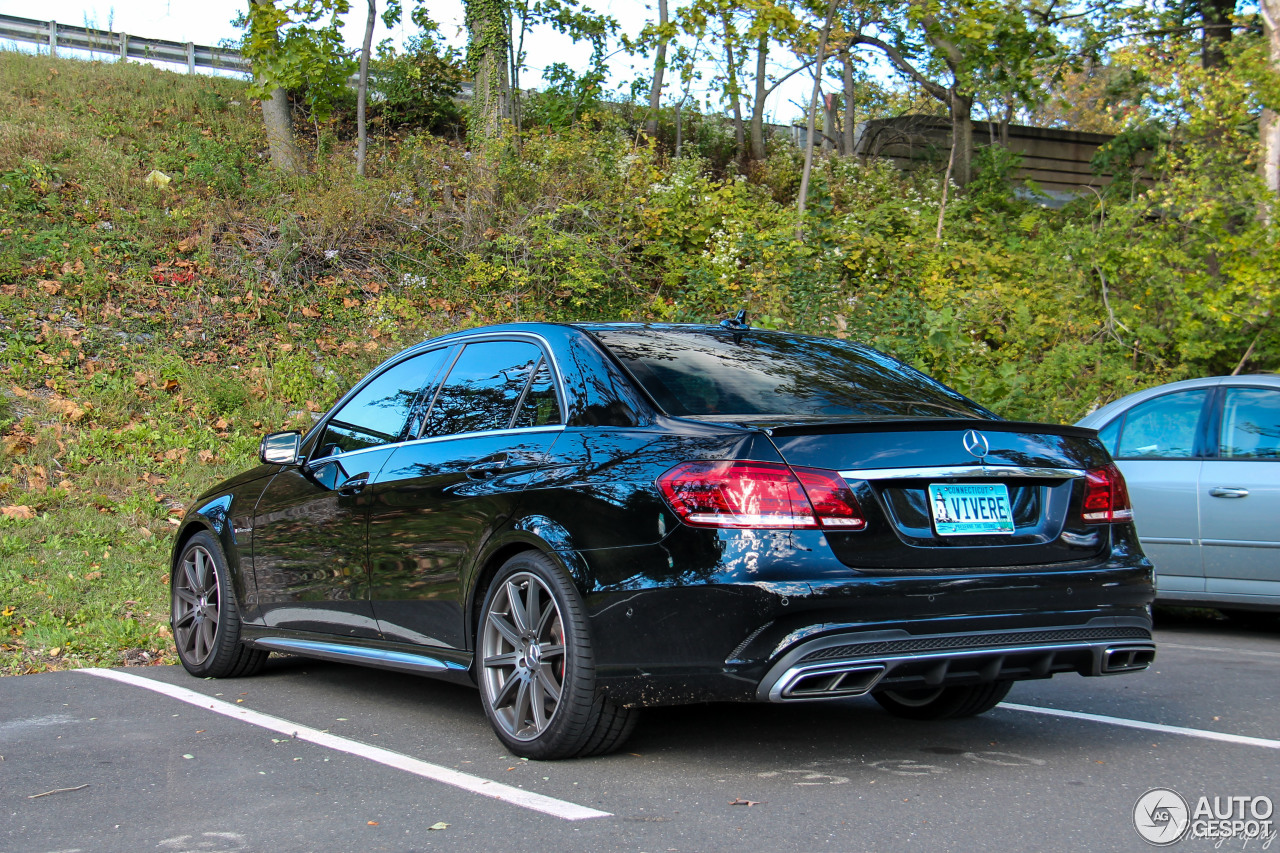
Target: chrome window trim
x=431 y=439
x=940 y=471
x=315 y=463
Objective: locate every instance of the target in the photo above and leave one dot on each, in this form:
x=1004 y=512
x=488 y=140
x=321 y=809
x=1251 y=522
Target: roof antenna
x=738 y=322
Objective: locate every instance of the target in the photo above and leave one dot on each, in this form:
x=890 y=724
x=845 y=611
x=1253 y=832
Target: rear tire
x=204 y=616
x=536 y=669
x=943 y=703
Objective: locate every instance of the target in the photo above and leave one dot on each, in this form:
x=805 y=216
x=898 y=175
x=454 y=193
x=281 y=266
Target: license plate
x=971 y=509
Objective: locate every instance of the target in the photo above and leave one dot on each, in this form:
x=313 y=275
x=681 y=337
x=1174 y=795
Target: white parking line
x=465 y=781
x=1254 y=652
x=1151 y=727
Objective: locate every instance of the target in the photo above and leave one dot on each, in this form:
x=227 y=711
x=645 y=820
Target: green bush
x=417 y=88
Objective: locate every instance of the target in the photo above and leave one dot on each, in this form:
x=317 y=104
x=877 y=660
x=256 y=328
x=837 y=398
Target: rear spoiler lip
x=832 y=427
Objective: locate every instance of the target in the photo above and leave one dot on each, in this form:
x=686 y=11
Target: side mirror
x=280 y=448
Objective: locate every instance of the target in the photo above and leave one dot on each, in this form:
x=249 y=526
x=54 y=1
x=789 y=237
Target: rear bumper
x=774 y=627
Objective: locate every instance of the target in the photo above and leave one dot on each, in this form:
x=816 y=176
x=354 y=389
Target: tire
x=943 y=703
x=205 y=618
x=536 y=669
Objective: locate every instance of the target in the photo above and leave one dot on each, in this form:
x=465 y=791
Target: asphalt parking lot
x=322 y=757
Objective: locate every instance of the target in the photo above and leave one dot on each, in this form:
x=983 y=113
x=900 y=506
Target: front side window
x=1250 y=424
x=379 y=412
x=484 y=387
x=1163 y=428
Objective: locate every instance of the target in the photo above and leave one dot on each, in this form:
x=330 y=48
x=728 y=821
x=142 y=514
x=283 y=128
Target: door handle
x=354 y=486
x=486 y=468
x=1229 y=492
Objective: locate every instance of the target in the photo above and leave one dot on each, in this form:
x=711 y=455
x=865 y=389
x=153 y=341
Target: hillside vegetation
x=166 y=298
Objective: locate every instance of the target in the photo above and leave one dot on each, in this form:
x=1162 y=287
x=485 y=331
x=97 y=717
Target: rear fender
x=531 y=533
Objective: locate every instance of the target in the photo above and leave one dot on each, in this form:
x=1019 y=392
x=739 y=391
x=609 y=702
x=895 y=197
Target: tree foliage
x=297 y=45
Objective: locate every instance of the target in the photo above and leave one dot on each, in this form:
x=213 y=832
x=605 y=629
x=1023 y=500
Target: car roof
x=1104 y=415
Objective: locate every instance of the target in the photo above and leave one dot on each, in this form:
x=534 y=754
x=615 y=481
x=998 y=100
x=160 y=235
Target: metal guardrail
x=57 y=36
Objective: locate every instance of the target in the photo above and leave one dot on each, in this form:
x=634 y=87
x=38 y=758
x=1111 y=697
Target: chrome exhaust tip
x=1127 y=658
x=827 y=682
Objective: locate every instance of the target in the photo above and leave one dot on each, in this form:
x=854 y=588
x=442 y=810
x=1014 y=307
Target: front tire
x=943 y=703
x=205 y=619
x=536 y=669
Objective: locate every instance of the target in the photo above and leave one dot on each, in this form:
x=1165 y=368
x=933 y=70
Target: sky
x=209 y=22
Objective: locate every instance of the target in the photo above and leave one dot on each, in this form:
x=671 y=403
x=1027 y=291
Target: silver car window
x=1250 y=424
x=1163 y=428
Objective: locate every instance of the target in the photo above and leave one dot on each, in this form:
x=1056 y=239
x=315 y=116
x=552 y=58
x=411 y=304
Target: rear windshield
x=709 y=373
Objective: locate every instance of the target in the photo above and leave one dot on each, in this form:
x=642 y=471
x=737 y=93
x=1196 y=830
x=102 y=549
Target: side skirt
x=447 y=664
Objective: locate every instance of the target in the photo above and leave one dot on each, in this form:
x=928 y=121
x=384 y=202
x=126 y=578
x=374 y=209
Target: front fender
x=229 y=518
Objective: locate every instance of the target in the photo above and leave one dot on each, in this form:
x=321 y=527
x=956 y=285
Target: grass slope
x=151 y=331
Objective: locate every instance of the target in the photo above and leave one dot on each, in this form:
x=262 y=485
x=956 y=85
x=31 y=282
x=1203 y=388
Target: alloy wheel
x=523 y=656
x=196 y=602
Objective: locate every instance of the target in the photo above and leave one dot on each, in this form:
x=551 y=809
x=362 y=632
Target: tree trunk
x=679 y=129
x=758 y=151
x=735 y=100
x=487 y=53
x=277 y=116
x=828 y=121
x=1270 y=128
x=362 y=89
x=659 y=67
x=961 y=136
x=813 y=110
x=1215 y=17
x=848 y=141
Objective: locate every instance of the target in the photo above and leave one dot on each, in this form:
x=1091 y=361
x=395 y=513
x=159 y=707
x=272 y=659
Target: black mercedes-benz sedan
x=583 y=520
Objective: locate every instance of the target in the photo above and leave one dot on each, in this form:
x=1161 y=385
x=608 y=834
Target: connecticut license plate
x=970 y=509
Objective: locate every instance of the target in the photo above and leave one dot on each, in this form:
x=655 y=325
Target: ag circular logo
x=1161 y=817
x=976 y=443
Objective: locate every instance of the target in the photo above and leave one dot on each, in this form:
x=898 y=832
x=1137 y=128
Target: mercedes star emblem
x=976 y=443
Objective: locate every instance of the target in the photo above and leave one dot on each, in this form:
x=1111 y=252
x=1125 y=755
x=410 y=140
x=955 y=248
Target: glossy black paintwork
x=676 y=613
x=434 y=506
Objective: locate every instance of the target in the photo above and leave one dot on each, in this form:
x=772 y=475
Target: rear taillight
x=760 y=494
x=1106 y=498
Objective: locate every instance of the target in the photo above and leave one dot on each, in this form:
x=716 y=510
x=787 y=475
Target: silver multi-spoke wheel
x=523 y=656
x=197 y=597
x=205 y=617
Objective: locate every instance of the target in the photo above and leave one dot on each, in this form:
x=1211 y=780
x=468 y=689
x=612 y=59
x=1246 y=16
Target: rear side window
x=379 y=411
x=761 y=373
x=485 y=386
x=1163 y=428
x=1250 y=424
x=539 y=406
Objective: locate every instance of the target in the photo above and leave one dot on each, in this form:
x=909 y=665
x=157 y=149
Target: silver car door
x=1157 y=455
x=1240 y=498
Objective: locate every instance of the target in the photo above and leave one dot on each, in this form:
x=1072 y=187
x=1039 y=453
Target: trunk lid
x=892 y=465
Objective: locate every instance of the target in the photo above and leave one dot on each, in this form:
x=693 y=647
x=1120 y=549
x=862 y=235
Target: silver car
x=1202 y=460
